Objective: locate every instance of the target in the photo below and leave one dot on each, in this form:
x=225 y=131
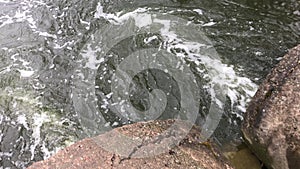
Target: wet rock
x=272 y=122
x=243 y=158
x=117 y=149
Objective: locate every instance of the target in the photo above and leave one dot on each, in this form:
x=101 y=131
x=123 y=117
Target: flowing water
x=63 y=62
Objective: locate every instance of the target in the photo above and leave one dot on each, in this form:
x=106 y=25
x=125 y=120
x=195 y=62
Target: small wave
x=240 y=89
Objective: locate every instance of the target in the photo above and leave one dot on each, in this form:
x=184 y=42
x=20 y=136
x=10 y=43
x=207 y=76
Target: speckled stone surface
x=272 y=121
x=95 y=152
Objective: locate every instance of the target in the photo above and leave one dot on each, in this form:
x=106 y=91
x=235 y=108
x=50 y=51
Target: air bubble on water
x=107 y=124
x=15 y=104
x=150 y=39
x=104 y=106
x=115 y=124
x=199 y=11
x=121 y=102
x=51 y=66
x=258 y=53
x=123 y=110
x=209 y=24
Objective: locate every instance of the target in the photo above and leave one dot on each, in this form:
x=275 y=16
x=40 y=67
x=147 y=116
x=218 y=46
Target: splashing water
x=48 y=53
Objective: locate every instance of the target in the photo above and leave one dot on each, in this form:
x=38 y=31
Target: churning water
x=74 y=69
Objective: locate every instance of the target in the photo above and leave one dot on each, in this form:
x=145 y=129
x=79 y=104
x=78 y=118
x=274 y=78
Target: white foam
x=90 y=56
x=209 y=24
x=39 y=119
x=143 y=20
x=258 y=53
x=296 y=12
x=26 y=73
x=46 y=34
x=240 y=89
x=23 y=120
x=199 y=11
x=5 y=1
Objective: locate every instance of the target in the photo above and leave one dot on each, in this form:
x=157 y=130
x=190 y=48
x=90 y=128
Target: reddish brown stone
x=89 y=153
x=272 y=122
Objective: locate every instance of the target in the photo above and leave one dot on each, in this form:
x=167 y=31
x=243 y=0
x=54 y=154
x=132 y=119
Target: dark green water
x=57 y=59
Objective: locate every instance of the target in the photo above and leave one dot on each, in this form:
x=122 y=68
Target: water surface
x=52 y=68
